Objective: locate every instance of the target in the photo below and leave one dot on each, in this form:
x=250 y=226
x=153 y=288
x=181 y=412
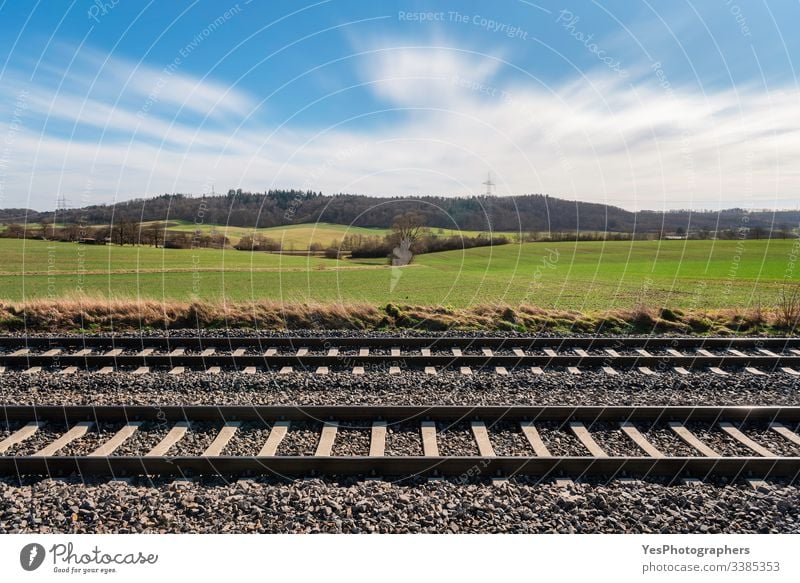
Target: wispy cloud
x=597 y=137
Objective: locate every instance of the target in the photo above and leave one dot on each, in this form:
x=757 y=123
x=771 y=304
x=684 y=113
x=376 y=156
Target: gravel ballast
x=403 y=439
x=418 y=506
x=408 y=388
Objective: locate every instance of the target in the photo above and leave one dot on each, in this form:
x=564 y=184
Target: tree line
x=520 y=214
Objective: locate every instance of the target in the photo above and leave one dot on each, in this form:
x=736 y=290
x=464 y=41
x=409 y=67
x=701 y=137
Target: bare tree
x=408 y=227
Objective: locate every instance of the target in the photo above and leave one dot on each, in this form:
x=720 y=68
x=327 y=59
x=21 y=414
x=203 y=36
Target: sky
x=638 y=104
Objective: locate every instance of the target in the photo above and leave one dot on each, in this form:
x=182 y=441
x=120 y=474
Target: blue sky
x=638 y=104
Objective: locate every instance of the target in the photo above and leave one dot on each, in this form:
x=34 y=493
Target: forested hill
x=534 y=212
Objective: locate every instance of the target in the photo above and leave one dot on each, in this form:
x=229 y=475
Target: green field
x=587 y=275
x=291 y=236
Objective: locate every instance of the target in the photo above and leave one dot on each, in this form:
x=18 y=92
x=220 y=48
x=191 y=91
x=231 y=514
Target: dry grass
x=125 y=316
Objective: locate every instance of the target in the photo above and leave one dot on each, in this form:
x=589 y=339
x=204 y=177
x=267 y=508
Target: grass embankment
x=126 y=316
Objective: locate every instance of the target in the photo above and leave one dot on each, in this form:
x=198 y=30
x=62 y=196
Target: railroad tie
x=681 y=371
x=457 y=352
x=83 y=352
x=640 y=440
x=358 y=370
x=322 y=370
x=395 y=351
x=717 y=371
x=20 y=435
x=141 y=370
x=550 y=352
x=610 y=371
x=52 y=352
x=33 y=370
x=377 y=442
x=481 y=436
x=644 y=353
x=286 y=370
x=766 y=352
x=487 y=352
x=178 y=352
x=70 y=370
x=583 y=435
x=302 y=351
x=674 y=352
x=76 y=431
x=208 y=352
x=736 y=352
x=537 y=370
x=785 y=432
x=106 y=370
x=177 y=370
x=225 y=434
x=114 y=352
x=249 y=370
x=735 y=433
x=326 y=439
x=333 y=352
x=518 y=352
x=646 y=370
x=171 y=438
x=118 y=439
x=691 y=439
x=466 y=371
x=754 y=371
x=501 y=370
x=276 y=435
x=612 y=353
x=213 y=370
x=363 y=351
x=429 y=370
x=145 y=352
x=790 y=370
x=424 y=352
x=269 y=352
x=704 y=352
x=573 y=370
x=581 y=352
x=394 y=370
x=430 y=448
x=530 y=432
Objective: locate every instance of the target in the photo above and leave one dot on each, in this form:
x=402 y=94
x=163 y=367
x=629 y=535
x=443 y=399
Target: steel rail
x=314 y=361
x=405 y=466
x=368 y=413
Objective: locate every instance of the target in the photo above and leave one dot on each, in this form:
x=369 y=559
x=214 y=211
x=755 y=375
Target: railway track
x=286 y=354
x=750 y=442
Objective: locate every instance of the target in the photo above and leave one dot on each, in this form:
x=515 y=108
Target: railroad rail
x=23 y=422
x=70 y=353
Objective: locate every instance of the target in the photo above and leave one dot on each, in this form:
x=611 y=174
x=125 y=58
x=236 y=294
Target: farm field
x=584 y=276
x=298 y=237
x=291 y=236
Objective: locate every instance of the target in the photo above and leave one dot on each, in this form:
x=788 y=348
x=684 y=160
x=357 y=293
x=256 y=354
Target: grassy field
x=298 y=237
x=291 y=236
x=583 y=276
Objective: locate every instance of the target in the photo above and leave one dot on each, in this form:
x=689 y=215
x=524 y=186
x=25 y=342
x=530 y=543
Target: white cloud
x=596 y=138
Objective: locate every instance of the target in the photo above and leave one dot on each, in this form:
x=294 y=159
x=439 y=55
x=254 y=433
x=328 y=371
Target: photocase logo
x=31 y=556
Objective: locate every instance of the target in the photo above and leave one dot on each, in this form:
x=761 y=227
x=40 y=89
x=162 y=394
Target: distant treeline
x=520 y=214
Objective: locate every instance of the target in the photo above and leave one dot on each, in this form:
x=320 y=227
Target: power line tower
x=489 y=185
x=61 y=203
